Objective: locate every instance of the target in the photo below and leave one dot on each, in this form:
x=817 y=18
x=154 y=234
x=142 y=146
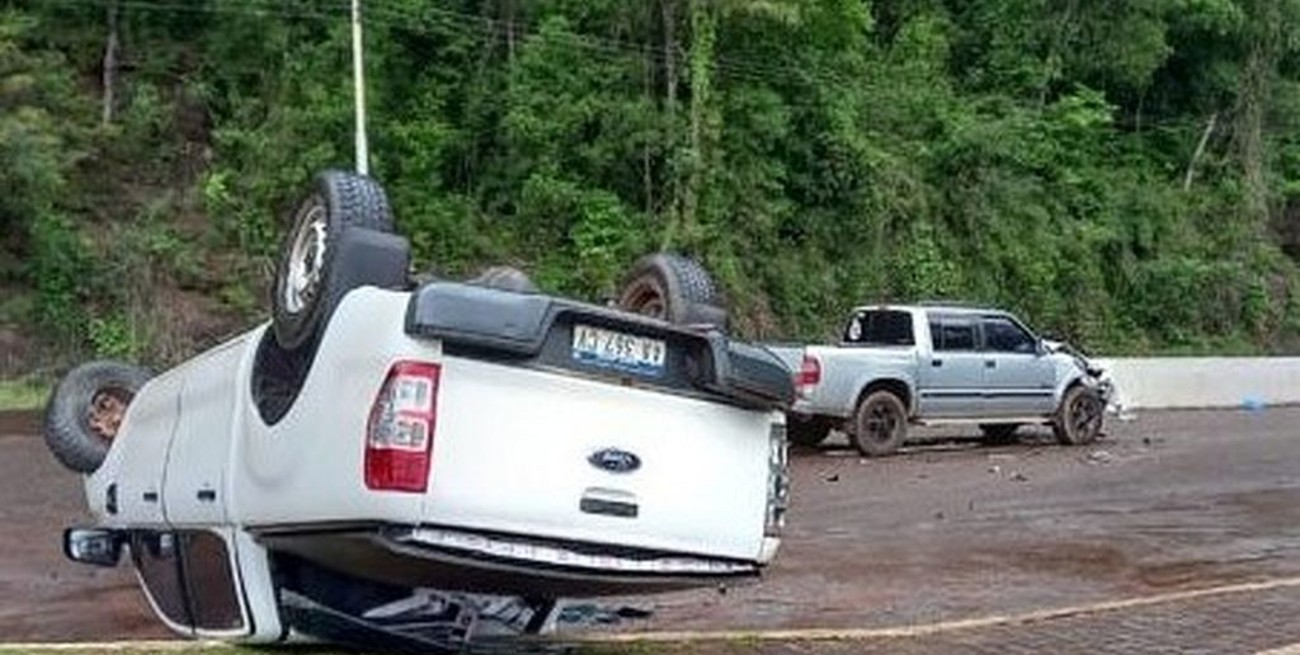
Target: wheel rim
x=105 y=412
x=881 y=423
x=306 y=259
x=645 y=299
x=1085 y=416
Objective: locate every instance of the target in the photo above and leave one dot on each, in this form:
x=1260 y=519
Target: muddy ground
x=948 y=530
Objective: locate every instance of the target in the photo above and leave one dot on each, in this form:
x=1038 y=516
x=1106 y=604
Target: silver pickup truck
x=925 y=364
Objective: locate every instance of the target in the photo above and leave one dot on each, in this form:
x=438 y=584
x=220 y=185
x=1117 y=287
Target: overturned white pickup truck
x=395 y=464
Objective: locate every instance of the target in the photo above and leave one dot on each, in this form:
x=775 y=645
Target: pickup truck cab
x=921 y=364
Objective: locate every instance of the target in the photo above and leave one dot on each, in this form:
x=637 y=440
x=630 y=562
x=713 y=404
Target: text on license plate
x=618 y=350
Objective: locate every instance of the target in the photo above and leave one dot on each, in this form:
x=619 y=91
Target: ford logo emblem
x=615 y=460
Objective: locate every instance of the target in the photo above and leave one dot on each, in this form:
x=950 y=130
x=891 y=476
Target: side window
x=213 y=595
x=951 y=333
x=1003 y=335
x=189 y=577
x=880 y=328
x=157 y=558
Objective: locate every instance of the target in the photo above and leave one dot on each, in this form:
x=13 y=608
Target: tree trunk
x=1200 y=150
x=703 y=37
x=1248 y=131
x=672 y=169
x=647 y=174
x=110 y=65
x=511 y=11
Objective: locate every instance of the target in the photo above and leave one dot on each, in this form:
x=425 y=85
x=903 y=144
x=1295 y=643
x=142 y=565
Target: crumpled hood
x=1079 y=357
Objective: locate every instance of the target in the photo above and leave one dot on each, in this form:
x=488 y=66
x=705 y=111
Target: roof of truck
x=947 y=307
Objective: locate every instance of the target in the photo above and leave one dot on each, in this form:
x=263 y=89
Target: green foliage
x=60 y=267
x=1125 y=174
x=23 y=394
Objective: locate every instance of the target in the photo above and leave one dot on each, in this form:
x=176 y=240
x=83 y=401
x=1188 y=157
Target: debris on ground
x=1100 y=457
x=591 y=614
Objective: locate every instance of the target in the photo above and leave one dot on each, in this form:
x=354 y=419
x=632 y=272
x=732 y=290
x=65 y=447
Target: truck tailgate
x=517 y=451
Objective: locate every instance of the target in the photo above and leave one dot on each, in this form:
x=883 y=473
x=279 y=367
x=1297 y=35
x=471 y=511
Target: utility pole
x=359 y=92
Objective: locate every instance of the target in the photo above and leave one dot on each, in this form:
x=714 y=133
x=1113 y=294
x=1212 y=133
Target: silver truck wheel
x=1078 y=420
x=879 y=424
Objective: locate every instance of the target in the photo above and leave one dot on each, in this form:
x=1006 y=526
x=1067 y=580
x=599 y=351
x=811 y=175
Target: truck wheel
x=806 y=431
x=1000 y=433
x=506 y=278
x=1078 y=420
x=85 y=412
x=338 y=200
x=879 y=424
x=674 y=288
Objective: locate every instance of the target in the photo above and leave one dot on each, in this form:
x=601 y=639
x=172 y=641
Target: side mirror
x=92 y=546
x=1040 y=348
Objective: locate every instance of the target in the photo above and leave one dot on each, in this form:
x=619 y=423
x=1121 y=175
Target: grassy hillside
x=1124 y=174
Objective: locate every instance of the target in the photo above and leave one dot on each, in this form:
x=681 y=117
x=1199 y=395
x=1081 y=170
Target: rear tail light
x=399 y=434
x=809 y=375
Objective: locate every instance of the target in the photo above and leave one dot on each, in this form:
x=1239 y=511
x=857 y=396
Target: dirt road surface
x=949 y=530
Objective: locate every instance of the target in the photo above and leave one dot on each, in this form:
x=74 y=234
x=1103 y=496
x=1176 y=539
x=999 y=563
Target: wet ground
x=950 y=530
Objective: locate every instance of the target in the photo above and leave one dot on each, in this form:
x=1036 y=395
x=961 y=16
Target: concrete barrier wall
x=1192 y=382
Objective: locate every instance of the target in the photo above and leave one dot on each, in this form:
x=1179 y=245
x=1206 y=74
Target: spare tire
x=676 y=289
x=338 y=200
x=86 y=409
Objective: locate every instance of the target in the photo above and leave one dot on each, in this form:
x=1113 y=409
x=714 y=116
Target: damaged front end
x=1094 y=375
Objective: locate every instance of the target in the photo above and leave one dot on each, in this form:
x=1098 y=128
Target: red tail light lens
x=809 y=375
x=399 y=435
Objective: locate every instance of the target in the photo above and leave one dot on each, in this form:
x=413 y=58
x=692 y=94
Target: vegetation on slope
x=1125 y=174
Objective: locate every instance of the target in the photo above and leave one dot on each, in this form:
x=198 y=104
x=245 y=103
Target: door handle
x=990 y=363
x=936 y=363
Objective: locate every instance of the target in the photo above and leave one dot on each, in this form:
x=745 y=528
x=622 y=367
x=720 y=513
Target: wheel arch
x=1067 y=383
x=896 y=386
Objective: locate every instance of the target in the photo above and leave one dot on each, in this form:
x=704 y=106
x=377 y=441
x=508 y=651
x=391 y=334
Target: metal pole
x=359 y=91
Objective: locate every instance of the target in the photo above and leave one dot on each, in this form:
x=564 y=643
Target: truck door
x=195 y=483
x=1017 y=378
x=952 y=380
x=136 y=486
x=191 y=580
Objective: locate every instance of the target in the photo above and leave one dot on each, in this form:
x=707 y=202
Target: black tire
x=360 y=201
x=674 y=288
x=1000 y=433
x=506 y=278
x=1079 y=418
x=806 y=431
x=879 y=424
x=85 y=411
x=338 y=201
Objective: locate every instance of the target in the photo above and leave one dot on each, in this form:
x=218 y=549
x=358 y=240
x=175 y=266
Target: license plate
x=617 y=350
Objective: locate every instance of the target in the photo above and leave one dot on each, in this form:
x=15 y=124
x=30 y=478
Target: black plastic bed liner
x=532 y=329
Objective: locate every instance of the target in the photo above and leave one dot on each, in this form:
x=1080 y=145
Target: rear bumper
x=481 y=562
